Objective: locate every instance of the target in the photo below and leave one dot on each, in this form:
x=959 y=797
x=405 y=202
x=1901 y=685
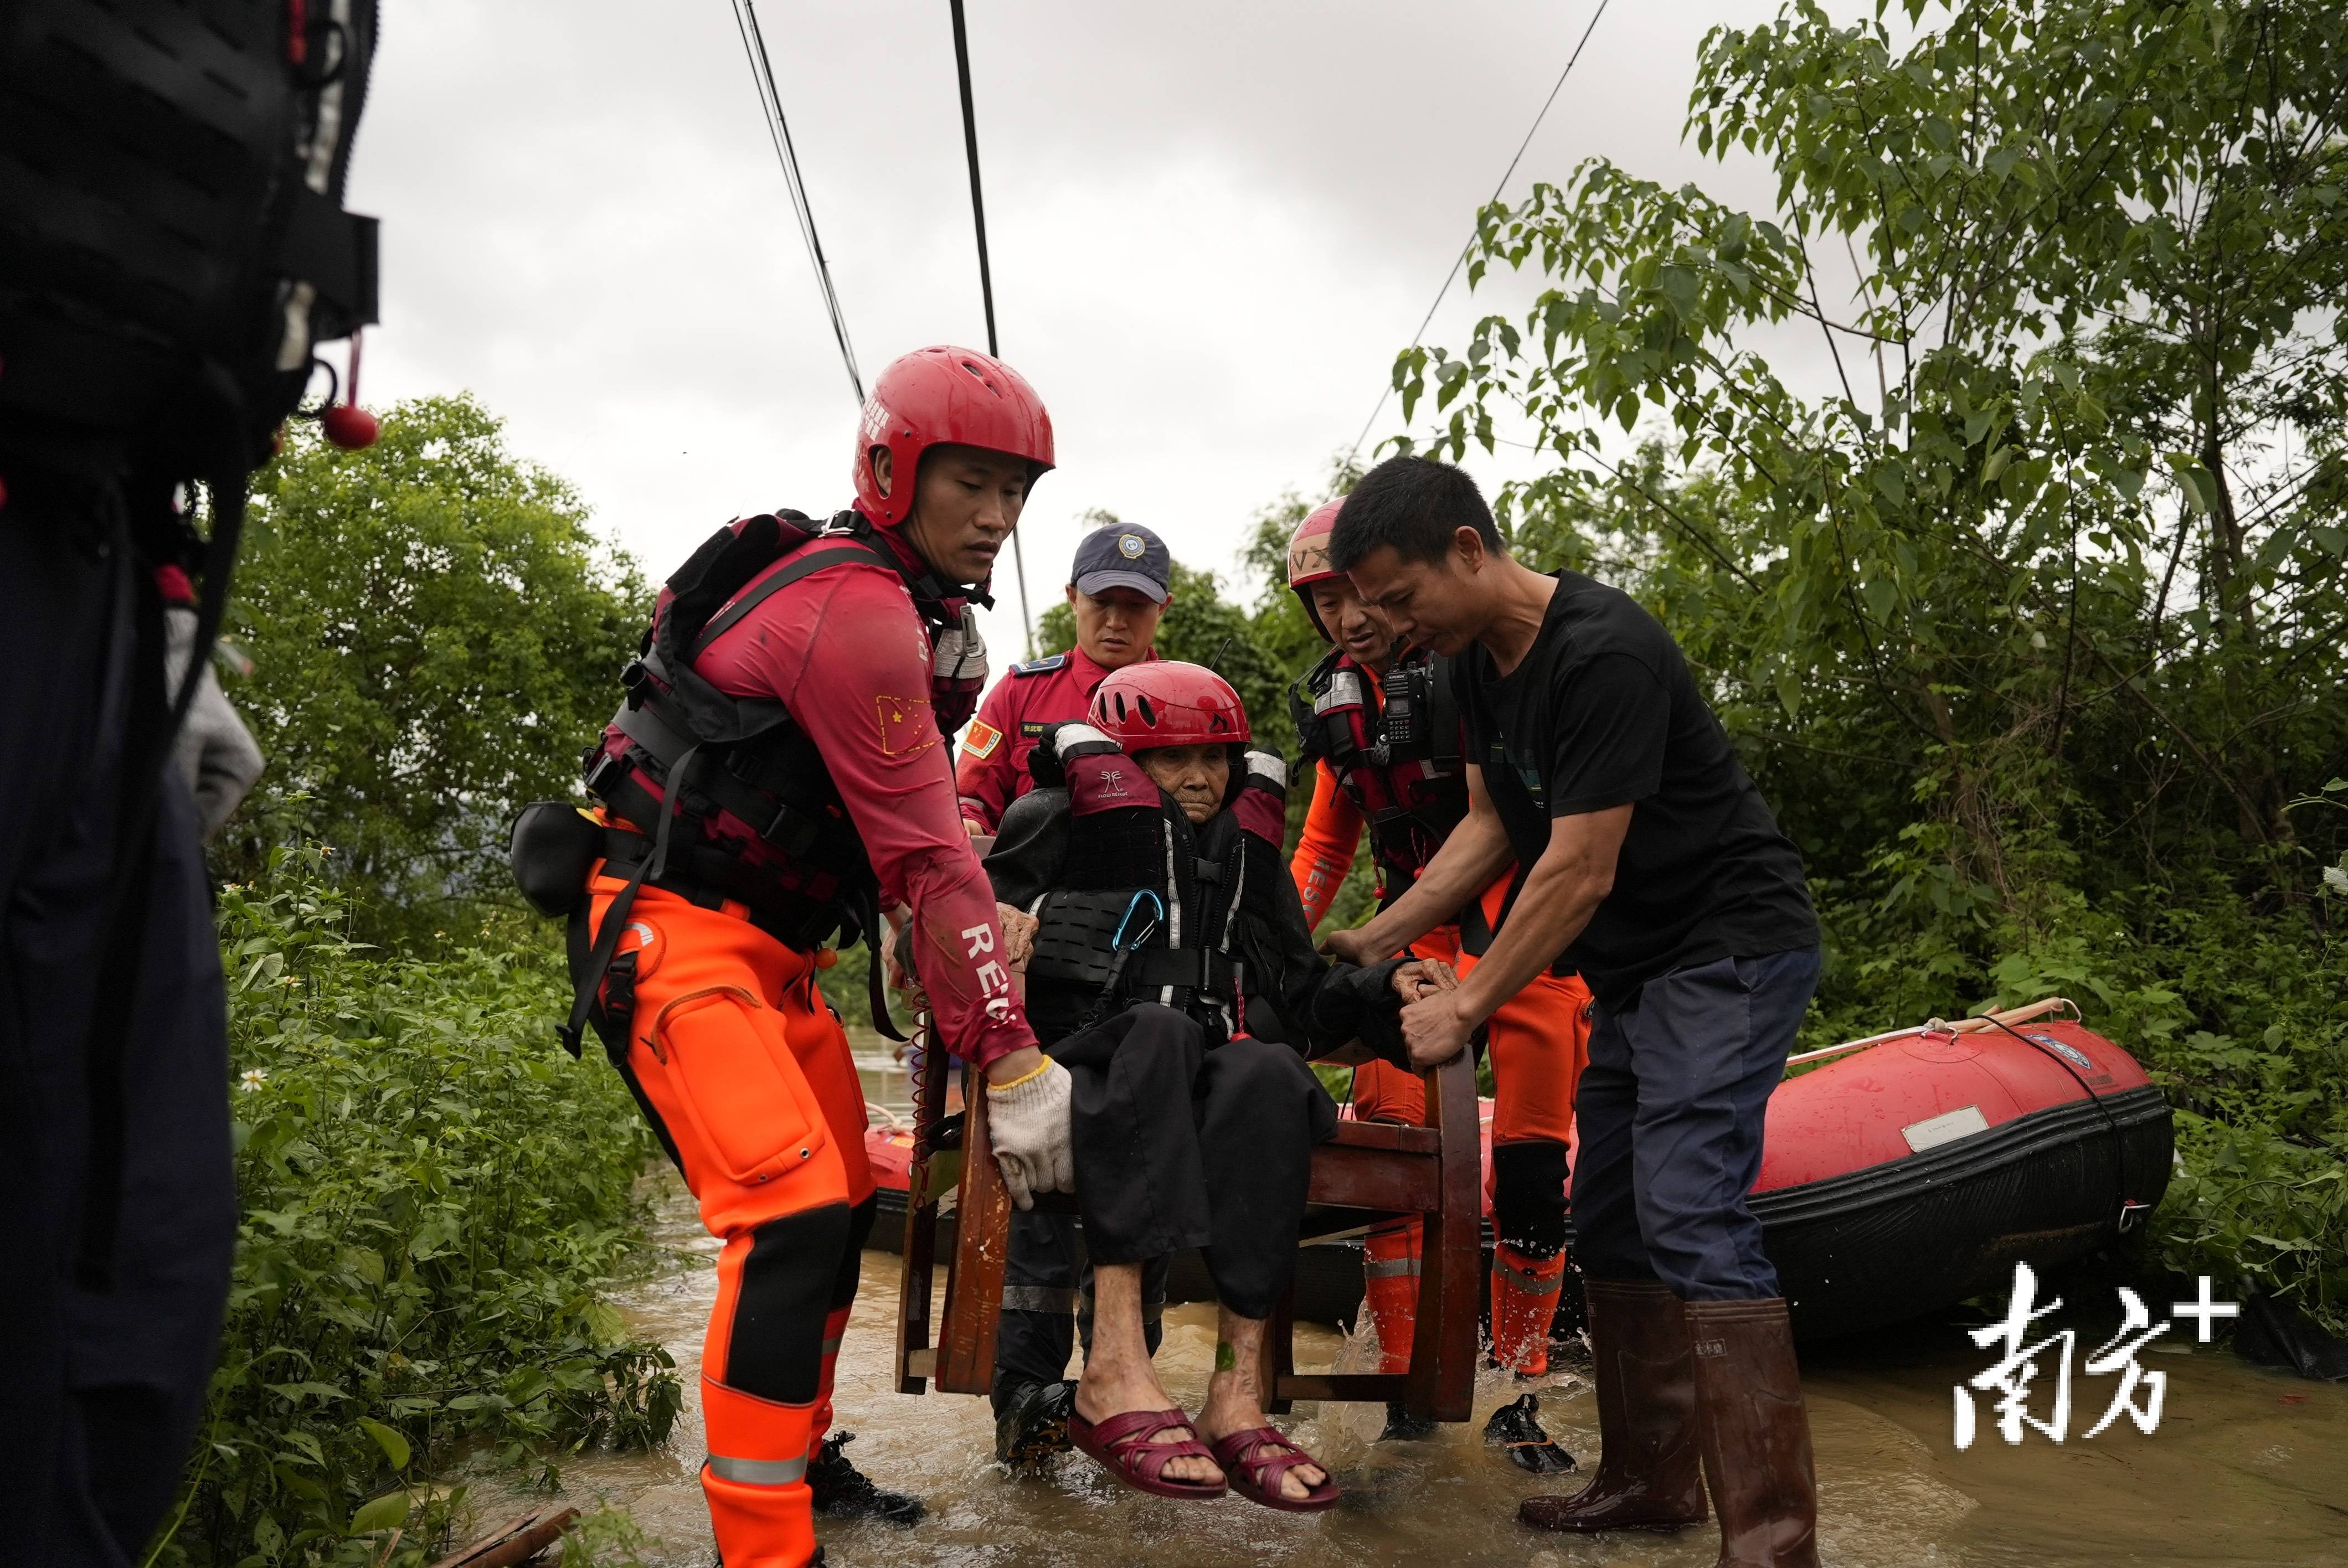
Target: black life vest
x=1401 y=761
x=177 y=243
x=759 y=818
x=1149 y=905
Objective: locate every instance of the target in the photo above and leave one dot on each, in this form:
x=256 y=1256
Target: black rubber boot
x=1402 y=1426
x=1034 y=1425
x=844 y=1491
x=1516 y=1427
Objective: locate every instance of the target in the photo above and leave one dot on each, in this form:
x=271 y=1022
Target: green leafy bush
x=434 y=1195
x=2018 y=619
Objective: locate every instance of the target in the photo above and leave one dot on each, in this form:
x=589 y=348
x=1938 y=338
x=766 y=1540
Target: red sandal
x=1256 y=1474
x=1120 y=1444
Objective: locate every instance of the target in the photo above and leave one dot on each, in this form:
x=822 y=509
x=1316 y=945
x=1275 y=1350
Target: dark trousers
x=1669 y=1118
x=1047 y=1302
x=1177 y=1145
x=107 y=1383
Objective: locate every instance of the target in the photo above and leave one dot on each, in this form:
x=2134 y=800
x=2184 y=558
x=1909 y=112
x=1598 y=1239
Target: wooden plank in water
x=516 y=1542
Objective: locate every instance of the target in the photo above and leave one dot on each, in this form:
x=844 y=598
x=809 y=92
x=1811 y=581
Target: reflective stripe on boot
x=1756 y=1433
x=755 y=1478
x=1390 y=1265
x=1524 y=1299
x=1650 y=1470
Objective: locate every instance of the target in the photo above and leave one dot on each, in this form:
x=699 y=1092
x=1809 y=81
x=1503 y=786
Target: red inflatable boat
x=1899 y=1174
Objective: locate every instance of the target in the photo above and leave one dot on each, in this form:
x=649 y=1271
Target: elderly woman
x=1173 y=977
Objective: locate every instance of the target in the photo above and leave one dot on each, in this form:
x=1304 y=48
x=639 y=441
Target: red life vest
x=1400 y=760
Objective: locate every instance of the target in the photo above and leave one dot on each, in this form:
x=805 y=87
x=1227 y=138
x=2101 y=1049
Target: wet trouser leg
x=1671 y=1112
x=1038 y=1326
x=1179 y=1146
x=1047 y=1303
x=747 y=1074
x=106 y=1384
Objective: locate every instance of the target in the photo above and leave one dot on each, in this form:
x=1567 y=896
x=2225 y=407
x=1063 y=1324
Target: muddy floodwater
x=2247 y=1467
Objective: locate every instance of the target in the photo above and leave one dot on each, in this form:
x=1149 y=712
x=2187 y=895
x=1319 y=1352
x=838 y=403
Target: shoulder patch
x=980 y=738
x=1043 y=666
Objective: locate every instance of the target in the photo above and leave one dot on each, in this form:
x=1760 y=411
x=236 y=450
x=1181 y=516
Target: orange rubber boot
x=1390 y=1288
x=1524 y=1299
x=755 y=1478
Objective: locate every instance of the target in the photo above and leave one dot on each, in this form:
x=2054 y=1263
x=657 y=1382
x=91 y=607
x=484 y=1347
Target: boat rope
x=2023 y=1014
x=985 y=271
x=778 y=130
x=1461 y=259
x=2119 y=1139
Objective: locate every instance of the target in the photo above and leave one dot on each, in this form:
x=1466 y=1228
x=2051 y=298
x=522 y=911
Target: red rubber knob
x=349 y=427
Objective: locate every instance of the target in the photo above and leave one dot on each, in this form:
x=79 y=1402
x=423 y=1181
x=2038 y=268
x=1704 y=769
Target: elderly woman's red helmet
x=1165 y=703
x=940 y=396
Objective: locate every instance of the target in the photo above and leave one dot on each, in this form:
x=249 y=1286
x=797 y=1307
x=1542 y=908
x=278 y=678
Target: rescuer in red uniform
x=778 y=773
x=1410 y=792
x=1118 y=584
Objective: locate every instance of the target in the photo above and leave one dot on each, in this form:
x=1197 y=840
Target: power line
x=1461 y=259
x=985 y=273
x=762 y=72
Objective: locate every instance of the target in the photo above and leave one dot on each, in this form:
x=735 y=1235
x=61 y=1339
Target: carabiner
x=1118 y=942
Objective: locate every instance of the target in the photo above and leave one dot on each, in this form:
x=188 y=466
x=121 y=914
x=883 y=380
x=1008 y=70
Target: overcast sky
x=1213 y=225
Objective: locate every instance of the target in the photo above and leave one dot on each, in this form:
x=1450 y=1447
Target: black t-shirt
x=1603 y=712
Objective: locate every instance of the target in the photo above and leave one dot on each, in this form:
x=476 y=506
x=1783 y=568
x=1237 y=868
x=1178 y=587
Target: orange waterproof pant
x=748 y=1075
x=1538 y=1040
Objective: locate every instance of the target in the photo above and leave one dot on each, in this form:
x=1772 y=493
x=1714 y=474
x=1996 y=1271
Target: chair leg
x=1442 y=1378
x=982 y=1247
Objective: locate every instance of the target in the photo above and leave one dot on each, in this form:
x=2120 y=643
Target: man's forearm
x=1555 y=904
x=1460 y=871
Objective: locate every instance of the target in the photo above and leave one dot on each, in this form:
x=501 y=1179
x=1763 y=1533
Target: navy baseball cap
x=1123 y=555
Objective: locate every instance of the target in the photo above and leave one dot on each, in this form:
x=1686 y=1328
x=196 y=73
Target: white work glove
x=1027 y=1123
x=215 y=752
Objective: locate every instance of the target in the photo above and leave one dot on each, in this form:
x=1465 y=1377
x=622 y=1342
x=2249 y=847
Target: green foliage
x=2030 y=619
x=434 y=1195
x=435 y=632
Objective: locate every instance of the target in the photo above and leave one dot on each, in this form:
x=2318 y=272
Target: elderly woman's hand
x=1018 y=936
x=1423 y=978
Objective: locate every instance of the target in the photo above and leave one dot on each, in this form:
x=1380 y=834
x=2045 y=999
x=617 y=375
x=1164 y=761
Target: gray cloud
x=1213 y=226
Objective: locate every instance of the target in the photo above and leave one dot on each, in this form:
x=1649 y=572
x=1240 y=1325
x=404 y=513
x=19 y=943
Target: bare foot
x=1107 y=1389
x=1233 y=1406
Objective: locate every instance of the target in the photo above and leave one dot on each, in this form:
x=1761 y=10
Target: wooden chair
x=1370 y=1170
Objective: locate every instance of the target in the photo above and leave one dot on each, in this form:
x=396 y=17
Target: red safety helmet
x=1165 y=703
x=935 y=396
x=1308 y=558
